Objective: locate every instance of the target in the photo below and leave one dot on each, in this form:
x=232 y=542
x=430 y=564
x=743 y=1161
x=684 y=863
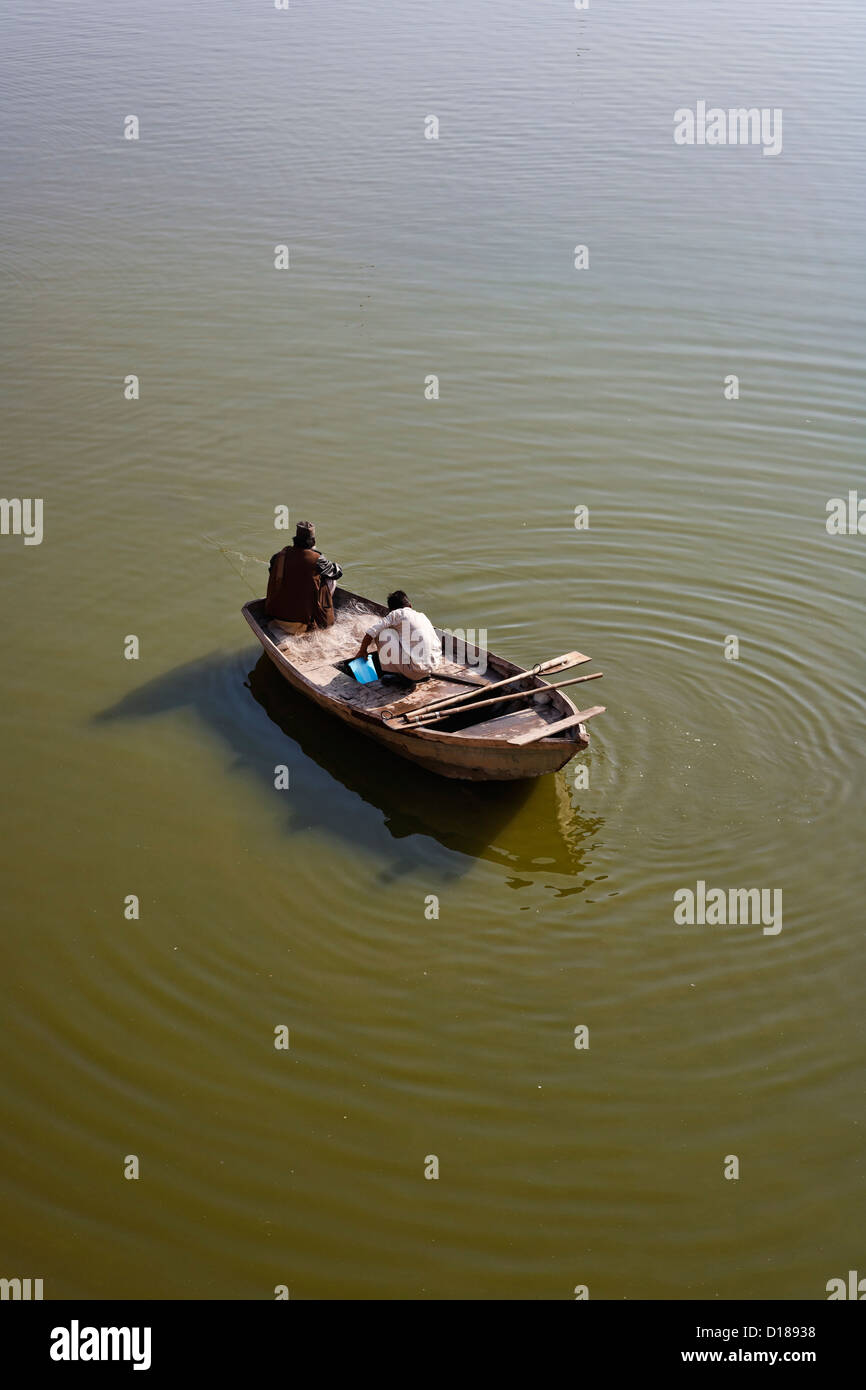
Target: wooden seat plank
x=521 y=740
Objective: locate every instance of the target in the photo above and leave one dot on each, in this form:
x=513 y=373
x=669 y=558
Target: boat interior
x=321 y=656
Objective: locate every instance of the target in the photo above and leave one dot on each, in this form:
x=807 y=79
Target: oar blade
x=563 y=663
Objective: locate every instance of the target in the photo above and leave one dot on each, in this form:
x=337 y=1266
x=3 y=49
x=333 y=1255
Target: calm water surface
x=558 y=388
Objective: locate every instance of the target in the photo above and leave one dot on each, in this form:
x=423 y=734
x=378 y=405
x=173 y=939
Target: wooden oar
x=501 y=699
x=556 y=663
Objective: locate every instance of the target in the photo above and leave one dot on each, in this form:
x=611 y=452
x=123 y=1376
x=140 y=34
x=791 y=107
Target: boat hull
x=459 y=756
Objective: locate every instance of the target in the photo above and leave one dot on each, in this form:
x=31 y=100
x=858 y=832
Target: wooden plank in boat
x=505 y=725
x=521 y=740
x=331 y=681
x=425 y=693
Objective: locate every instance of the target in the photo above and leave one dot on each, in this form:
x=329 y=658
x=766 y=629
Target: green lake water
x=559 y=388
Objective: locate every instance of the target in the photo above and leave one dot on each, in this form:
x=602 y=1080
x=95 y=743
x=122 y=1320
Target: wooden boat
x=501 y=742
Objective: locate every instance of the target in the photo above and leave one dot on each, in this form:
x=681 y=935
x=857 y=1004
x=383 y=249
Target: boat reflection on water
x=525 y=826
x=357 y=792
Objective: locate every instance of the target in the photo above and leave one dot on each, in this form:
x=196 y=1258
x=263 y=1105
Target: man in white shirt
x=405 y=642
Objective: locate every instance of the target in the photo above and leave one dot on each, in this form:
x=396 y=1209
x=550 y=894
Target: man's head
x=305 y=535
x=398 y=599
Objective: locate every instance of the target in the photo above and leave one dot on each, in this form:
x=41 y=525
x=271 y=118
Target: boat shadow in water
x=345 y=785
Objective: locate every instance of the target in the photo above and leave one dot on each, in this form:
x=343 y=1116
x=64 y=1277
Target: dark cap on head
x=305 y=533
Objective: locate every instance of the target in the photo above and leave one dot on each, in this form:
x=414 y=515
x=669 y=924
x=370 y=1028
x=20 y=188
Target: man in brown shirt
x=301 y=583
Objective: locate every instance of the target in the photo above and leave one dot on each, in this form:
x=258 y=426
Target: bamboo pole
x=501 y=699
